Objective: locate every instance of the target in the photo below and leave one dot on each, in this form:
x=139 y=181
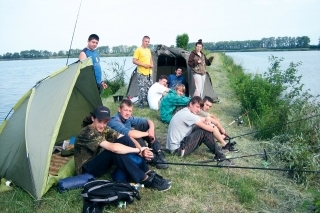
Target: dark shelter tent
x=165 y=61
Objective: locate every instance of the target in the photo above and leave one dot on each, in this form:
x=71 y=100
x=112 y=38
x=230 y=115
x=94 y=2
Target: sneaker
x=226 y=163
x=224 y=150
x=230 y=147
x=220 y=158
x=159 y=177
x=156 y=183
x=159 y=161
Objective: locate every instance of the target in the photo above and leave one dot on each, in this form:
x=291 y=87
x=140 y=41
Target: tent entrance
x=167 y=65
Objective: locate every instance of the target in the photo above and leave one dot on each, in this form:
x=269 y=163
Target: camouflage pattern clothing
x=87 y=144
x=144 y=83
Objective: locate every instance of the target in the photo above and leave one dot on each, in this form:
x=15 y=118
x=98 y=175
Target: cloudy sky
x=48 y=25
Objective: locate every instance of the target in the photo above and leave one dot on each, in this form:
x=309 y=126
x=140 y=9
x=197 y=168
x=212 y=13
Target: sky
x=49 y=24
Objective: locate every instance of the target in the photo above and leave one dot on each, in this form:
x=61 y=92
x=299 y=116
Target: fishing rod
x=239 y=120
x=240 y=167
x=264 y=156
x=272 y=127
x=73 y=32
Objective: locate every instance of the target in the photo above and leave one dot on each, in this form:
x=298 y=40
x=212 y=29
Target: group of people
x=129 y=143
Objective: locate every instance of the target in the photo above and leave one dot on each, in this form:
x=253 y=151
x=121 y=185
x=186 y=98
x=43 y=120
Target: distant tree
x=319 y=42
x=182 y=41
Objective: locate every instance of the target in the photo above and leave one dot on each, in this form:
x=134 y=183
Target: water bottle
x=138 y=186
x=122 y=204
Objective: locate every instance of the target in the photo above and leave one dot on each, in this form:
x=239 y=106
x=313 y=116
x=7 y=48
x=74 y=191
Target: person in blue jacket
x=174 y=99
x=173 y=80
x=90 y=51
x=140 y=129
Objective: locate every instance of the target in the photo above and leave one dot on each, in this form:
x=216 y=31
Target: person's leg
x=140 y=90
x=125 y=163
x=203 y=79
x=155 y=146
x=194 y=140
x=126 y=140
x=197 y=81
x=99 y=165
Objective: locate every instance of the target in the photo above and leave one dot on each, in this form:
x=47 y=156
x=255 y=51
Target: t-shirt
x=143 y=55
x=203 y=114
x=180 y=126
x=154 y=94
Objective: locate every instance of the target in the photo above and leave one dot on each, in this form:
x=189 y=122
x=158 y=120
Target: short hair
x=207 y=98
x=199 y=42
x=126 y=102
x=179 y=68
x=180 y=86
x=93 y=36
x=163 y=77
x=196 y=100
x=145 y=37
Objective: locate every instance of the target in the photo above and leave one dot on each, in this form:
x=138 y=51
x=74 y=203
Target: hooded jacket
x=169 y=103
x=196 y=67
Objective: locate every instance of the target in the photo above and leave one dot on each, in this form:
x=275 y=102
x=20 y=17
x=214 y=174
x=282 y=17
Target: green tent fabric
x=166 y=60
x=52 y=111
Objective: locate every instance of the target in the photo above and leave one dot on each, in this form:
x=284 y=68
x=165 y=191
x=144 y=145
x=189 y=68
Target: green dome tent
x=50 y=112
x=165 y=61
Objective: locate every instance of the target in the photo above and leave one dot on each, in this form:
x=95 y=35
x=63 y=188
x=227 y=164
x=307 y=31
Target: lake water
x=257 y=62
x=17 y=77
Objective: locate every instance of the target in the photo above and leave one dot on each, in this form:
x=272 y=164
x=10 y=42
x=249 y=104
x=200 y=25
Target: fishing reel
x=239 y=121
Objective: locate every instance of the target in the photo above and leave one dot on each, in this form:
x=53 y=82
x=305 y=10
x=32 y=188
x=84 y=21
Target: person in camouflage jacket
x=97 y=148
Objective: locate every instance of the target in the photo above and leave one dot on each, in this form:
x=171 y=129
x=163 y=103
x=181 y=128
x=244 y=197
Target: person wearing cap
x=98 y=147
x=141 y=129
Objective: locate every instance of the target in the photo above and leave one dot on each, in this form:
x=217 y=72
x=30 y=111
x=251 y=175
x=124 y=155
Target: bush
x=284 y=114
x=116 y=82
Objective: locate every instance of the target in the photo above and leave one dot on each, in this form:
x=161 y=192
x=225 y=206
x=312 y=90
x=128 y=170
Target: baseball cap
x=101 y=112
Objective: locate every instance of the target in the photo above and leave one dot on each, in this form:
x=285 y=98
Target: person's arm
x=179 y=100
x=82 y=56
x=191 y=61
x=119 y=148
x=218 y=125
x=204 y=126
x=208 y=61
x=150 y=131
x=137 y=134
x=138 y=63
x=151 y=61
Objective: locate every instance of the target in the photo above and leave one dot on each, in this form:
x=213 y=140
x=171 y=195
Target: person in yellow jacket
x=143 y=59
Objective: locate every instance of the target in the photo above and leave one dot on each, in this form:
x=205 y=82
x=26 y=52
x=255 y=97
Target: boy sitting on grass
x=174 y=99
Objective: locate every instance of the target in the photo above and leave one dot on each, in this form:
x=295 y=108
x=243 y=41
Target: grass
x=194 y=189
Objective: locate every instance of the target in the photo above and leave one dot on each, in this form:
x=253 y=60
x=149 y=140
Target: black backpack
x=97 y=193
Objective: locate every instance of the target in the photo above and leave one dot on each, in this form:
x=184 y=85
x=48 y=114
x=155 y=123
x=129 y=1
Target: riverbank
x=194 y=188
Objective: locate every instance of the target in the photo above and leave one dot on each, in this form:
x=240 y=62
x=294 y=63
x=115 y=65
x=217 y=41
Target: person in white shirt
x=156 y=91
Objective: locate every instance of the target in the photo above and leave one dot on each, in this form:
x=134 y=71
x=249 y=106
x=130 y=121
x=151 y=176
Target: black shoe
x=159 y=161
x=156 y=183
x=230 y=147
x=160 y=177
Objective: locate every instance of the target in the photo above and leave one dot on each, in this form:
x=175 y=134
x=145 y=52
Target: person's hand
x=150 y=66
x=207 y=120
x=104 y=85
x=222 y=131
x=151 y=135
x=146 y=153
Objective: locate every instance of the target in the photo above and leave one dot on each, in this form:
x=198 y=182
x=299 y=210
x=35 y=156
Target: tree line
x=272 y=43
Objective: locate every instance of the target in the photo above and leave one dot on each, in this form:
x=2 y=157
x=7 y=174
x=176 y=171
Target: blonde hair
x=180 y=87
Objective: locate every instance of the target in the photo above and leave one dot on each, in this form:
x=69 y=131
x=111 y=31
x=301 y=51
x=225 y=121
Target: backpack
x=97 y=193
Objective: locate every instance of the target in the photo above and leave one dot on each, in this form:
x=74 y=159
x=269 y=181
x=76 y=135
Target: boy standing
x=90 y=51
x=143 y=59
